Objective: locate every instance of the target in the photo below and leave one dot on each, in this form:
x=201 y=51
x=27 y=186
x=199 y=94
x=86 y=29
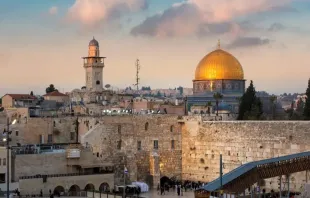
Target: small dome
x=94 y=42
x=218 y=65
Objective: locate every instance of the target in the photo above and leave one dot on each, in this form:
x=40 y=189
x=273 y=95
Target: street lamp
x=7 y=140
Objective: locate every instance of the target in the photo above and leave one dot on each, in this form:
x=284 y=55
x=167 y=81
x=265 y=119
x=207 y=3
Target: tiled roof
x=21 y=96
x=55 y=93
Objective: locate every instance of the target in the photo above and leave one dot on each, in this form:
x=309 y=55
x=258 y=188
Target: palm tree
x=272 y=99
x=217 y=96
x=209 y=104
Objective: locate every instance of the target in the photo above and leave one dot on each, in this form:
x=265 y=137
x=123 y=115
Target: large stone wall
x=239 y=143
x=129 y=130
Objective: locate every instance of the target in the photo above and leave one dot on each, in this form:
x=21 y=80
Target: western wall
x=240 y=142
x=197 y=144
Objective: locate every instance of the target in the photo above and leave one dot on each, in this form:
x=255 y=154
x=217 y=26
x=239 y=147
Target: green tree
x=306 y=112
x=51 y=88
x=273 y=99
x=158 y=94
x=31 y=93
x=250 y=106
x=217 y=96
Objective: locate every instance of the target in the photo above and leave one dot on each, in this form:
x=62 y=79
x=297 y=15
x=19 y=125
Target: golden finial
x=219 y=44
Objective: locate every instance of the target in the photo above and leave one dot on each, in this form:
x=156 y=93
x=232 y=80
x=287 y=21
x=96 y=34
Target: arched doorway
x=104 y=187
x=89 y=187
x=74 y=190
x=59 y=190
x=165 y=180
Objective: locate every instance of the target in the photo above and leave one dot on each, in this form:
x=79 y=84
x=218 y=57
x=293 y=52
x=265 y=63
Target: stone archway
x=89 y=187
x=74 y=190
x=59 y=190
x=104 y=187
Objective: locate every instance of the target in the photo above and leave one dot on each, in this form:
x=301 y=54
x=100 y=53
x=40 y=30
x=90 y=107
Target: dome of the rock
x=219 y=65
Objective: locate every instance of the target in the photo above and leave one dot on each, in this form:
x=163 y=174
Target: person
x=179 y=190
x=41 y=193
x=162 y=190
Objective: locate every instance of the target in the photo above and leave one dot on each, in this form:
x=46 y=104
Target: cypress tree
x=306 y=112
x=250 y=106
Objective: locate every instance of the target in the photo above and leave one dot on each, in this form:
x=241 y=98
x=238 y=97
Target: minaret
x=93 y=65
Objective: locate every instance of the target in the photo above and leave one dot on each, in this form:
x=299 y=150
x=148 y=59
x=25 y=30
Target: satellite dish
x=107 y=86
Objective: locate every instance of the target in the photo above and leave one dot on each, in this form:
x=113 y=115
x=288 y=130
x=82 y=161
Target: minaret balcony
x=98 y=64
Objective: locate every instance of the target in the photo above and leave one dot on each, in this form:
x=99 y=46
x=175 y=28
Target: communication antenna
x=137 y=74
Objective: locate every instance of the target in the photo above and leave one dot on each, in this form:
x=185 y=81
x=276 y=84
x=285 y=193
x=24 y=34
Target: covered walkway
x=248 y=174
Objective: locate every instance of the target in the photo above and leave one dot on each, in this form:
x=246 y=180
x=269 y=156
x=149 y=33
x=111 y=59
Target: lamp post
x=7 y=139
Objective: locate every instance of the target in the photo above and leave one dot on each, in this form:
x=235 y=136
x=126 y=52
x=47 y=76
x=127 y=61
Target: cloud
x=202 y=17
x=53 y=10
x=276 y=27
x=93 y=12
x=242 y=42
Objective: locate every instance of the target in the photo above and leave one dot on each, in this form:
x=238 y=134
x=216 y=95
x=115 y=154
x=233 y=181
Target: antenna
x=137 y=74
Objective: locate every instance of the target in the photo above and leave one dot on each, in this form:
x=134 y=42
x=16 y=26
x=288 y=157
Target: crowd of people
x=177 y=186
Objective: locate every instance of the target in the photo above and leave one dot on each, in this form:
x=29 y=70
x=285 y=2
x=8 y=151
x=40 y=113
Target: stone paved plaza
x=171 y=194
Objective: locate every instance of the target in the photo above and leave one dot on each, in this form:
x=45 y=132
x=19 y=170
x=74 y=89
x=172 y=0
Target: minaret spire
x=219 y=44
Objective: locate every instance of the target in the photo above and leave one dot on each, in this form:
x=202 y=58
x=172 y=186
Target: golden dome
x=217 y=65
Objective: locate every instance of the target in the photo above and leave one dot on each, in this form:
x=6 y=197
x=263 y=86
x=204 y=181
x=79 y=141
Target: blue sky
x=42 y=41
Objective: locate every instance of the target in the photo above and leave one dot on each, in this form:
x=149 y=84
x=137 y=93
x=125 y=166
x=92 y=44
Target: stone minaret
x=93 y=65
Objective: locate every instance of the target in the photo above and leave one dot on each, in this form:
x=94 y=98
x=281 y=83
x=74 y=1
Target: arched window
x=119 y=128
x=97 y=82
x=171 y=128
x=146 y=126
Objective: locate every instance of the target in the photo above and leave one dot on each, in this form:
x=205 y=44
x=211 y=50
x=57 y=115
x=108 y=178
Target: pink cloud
x=93 y=12
x=202 y=17
x=225 y=10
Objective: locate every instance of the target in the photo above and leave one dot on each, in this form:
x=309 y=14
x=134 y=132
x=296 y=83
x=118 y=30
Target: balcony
x=98 y=64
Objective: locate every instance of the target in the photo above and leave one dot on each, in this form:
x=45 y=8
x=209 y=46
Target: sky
x=42 y=41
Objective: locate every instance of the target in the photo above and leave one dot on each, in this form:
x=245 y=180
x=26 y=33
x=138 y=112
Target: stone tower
x=93 y=65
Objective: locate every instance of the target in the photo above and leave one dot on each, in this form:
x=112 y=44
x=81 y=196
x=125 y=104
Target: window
x=155 y=144
x=171 y=128
x=0 y=162
x=54 y=124
x=139 y=145
x=119 y=145
x=146 y=126
x=172 y=144
x=4 y=161
x=97 y=154
x=119 y=128
x=2 y=178
x=97 y=82
x=50 y=138
x=72 y=135
x=16 y=133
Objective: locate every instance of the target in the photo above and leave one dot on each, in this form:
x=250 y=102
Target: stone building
x=56 y=96
x=63 y=169
x=18 y=100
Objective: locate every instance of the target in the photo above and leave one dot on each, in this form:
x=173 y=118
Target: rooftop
x=21 y=96
x=55 y=93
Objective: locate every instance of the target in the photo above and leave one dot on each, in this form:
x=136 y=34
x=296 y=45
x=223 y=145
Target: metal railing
x=66 y=175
